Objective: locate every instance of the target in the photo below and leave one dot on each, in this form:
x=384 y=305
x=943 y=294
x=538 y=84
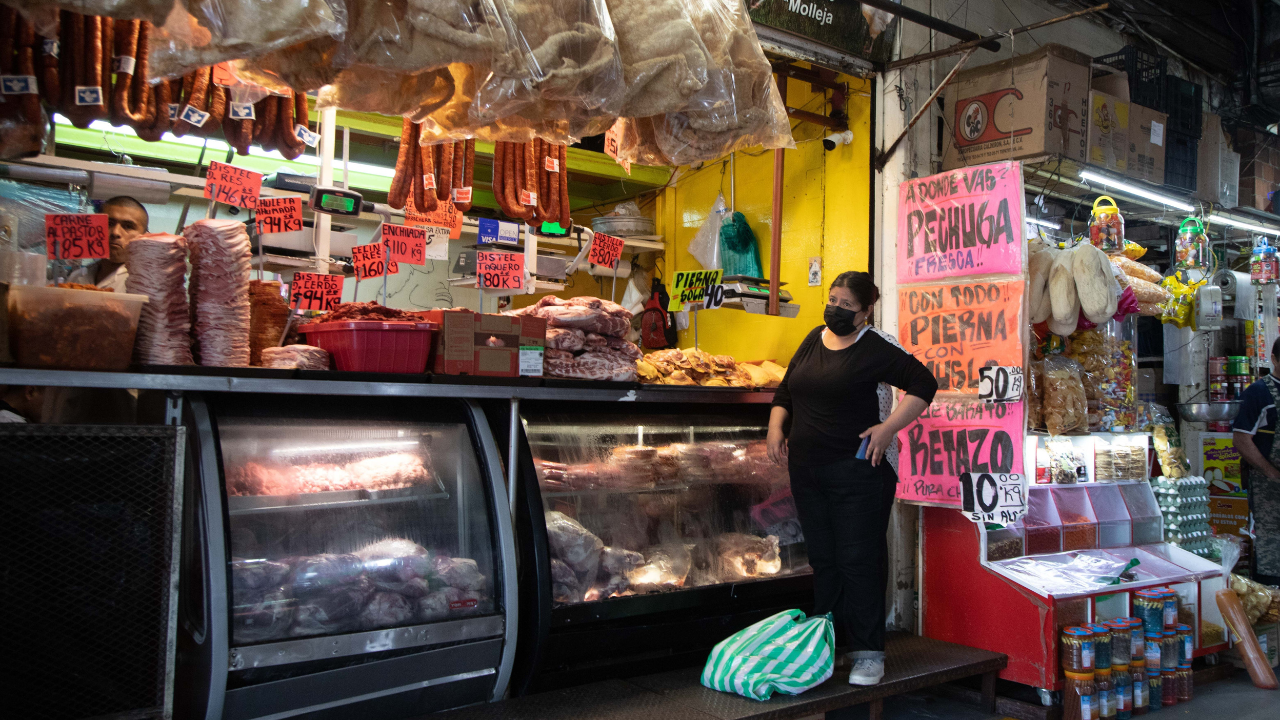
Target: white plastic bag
x=705 y=245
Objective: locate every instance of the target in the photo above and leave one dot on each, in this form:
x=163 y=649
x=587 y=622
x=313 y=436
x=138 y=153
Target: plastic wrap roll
x=1238 y=285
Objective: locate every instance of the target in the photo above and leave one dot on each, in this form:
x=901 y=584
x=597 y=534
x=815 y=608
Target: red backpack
x=657 y=326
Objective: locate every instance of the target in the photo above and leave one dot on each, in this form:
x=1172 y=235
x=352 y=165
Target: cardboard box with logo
x=1034 y=104
x=469 y=343
x=1217 y=166
x=1108 y=131
x=1268 y=635
x=1227 y=515
x=1146 y=144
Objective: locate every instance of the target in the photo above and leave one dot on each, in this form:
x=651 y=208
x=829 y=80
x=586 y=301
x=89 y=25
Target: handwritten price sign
x=77 y=237
x=445 y=215
x=232 y=185
x=313 y=291
x=370 y=261
x=279 y=214
x=407 y=244
x=500 y=271
x=605 y=250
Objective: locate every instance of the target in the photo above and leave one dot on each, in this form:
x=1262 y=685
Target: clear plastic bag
x=664 y=61
x=212 y=31
x=637 y=143
x=1065 y=408
x=739 y=106
x=561 y=50
x=705 y=245
x=156 y=11
x=1035 y=395
x=365 y=88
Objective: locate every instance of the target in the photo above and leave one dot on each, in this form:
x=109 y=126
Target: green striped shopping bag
x=784 y=652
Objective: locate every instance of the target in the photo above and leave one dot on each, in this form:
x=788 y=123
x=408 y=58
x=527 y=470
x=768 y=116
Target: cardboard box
x=507 y=346
x=1221 y=464
x=1146 y=144
x=1228 y=514
x=469 y=343
x=1034 y=104
x=1108 y=131
x=1217 y=166
x=1268 y=638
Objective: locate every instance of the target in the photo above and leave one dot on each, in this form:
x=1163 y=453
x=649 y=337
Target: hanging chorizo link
x=427 y=168
x=102 y=76
x=197 y=98
x=468 y=173
x=444 y=172
x=553 y=186
x=496 y=180
x=417 y=175
x=398 y=194
x=50 y=87
x=566 y=221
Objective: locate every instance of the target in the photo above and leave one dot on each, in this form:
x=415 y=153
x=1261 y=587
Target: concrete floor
x=1233 y=699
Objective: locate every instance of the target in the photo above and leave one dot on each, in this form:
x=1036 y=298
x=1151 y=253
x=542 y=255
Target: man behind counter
x=127 y=219
x=1254 y=437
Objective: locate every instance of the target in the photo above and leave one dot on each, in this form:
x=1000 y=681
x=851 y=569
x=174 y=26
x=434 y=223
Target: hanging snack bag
x=1192 y=246
x=1106 y=227
x=1065 y=407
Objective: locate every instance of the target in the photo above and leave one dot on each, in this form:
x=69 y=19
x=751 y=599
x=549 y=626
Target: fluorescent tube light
x=1125 y=187
x=1044 y=223
x=1224 y=220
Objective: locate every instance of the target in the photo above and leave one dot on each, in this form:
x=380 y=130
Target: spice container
x=1148 y=523
x=1170 y=646
x=1106 y=227
x=1104 y=692
x=1122 y=691
x=1155 y=689
x=1079 y=525
x=1101 y=645
x=1138 y=680
x=1114 y=528
x=1185 y=643
x=1185 y=682
x=1077 y=696
x=1077 y=649
x=1042 y=529
x=1169 y=687
x=1154 y=651
x=1004 y=544
x=1149 y=607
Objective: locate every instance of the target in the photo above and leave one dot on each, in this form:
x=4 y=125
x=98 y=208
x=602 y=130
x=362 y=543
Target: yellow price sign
x=691 y=287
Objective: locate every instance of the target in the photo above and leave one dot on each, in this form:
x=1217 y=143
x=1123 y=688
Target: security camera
x=835 y=140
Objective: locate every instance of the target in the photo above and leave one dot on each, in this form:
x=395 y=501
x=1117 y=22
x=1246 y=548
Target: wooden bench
x=913 y=663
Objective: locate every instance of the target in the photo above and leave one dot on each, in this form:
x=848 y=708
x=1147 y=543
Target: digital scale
x=752 y=295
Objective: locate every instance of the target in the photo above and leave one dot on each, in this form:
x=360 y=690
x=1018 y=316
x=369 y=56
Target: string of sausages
x=430 y=174
x=17 y=57
x=529 y=181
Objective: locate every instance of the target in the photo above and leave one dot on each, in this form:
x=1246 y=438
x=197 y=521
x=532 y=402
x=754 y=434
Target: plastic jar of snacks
x=1121 y=643
x=1078 y=696
x=1155 y=689
x=1149 y=607
x=1122 y=690
x=1186 y=643
x=1185 y=682
x=1138 y=681
x=1169 y=598
x=1101 y=645
x=1077 y=650
x=1154 y=650
x=1170 y=646
x=1137 y=641
x=1104 y=690
x=1169 y=687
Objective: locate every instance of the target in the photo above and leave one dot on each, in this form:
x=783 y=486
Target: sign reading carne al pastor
x=956 y=330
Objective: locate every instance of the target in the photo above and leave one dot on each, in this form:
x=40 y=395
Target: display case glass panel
x=352 y=525
x=1114 y=529
x=641 y=504
x=1043 y=528
x=1144 y=513
x=1079 y=525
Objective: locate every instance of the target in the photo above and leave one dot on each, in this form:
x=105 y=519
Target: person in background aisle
x=841 y=452
x=127 y=219
x=1254 y=437
x=21 y=403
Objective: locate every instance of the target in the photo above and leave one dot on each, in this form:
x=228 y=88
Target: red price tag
x=232 y=185
x=314 y=291
x=407 y=244
x=279 y=214
x=370 y=261
x=445 y=215
x=613 y=143
x=429 y=181
x=223 y=76
x=77 y=237
x=605 y=250
x=500 y=271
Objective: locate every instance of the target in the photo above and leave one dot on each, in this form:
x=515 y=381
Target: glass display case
x=648 y=504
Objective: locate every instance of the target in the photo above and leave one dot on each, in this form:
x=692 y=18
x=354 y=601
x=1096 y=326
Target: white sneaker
x=866 y=671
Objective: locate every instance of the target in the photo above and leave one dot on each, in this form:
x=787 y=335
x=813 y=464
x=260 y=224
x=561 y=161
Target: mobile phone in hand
x=862 y=449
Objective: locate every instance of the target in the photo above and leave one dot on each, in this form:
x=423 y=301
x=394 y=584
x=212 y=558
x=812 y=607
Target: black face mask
x=839 y=320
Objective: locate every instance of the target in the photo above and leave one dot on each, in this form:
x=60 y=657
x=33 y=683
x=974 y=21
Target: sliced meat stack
x=220 y=259
x=295 y=357
x=157 y=267
x=586 y=323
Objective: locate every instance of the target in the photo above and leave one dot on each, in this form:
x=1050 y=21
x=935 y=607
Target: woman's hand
x=881 y=435
x=777 y=446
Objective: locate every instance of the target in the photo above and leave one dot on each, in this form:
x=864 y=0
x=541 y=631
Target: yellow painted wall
x=825 y=213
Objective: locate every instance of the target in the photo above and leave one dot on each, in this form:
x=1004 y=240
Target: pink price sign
x=961 y=222
x=954 y=437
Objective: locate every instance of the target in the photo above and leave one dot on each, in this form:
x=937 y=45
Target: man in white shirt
x=127 y=219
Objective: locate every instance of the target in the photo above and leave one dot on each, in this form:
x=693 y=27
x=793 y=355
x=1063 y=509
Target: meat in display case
x=365 y=556
x=652 y=511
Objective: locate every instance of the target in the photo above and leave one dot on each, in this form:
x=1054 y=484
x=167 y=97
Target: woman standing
x=840 y=453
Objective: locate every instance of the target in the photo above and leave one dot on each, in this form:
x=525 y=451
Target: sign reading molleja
x=691 y=286
x=961 y=222
x=956 y=330
x=999 y=498
x=852 y=27
x=954 y=437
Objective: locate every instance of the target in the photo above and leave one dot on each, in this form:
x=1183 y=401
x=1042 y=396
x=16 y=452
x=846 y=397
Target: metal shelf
x=616 y=491
x=238 y=505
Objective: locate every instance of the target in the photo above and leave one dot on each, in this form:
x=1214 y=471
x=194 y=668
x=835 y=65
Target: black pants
x=844 y=513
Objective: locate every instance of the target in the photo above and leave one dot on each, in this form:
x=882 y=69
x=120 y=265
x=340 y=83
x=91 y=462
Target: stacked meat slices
x=220 y=258
x=592 y=328
x=268 y=315
x=157 y=267
x=295 y=357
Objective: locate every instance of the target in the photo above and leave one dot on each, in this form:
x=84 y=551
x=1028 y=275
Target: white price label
x=993 y=497
x=308 y=138
x=197 y=118
x=173 y=111
x=530 y=361
x=19 y=85
x=1000 y=384
x=88 y=95
x=242 y=111
x=715 y=297
x=124 y=64
x=437 y=242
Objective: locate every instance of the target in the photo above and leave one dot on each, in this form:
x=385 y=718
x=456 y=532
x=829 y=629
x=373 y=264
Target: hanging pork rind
x=664 y=61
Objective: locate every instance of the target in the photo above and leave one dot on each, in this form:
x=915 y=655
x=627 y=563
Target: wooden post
x=775 y=230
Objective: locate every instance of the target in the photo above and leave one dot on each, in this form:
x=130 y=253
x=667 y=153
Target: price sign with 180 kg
x=1000 y=384
x=993 y=497
x=500 y=271
x=77 y=237
x=315 y=291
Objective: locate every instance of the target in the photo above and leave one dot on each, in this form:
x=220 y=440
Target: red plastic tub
x=374 y=346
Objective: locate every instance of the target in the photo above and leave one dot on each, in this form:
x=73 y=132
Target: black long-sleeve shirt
x=831 y=394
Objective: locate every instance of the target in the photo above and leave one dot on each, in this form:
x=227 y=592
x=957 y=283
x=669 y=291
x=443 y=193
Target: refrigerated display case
x=1069 y=561
x=356 y=555
x=657 y=530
